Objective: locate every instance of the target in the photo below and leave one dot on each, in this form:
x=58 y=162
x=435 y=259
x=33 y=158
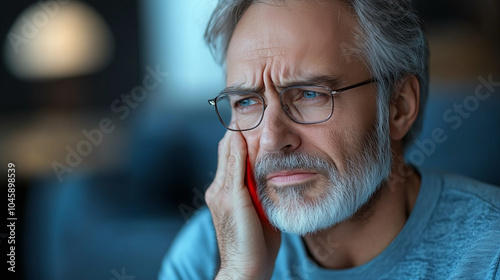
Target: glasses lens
x=308 y=104
x=240 y=111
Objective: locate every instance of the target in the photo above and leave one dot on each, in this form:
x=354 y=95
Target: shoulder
x=194 y=253
x=461 y=200
x=464 y=201
x=466 y=223
x=453 y=188
x=483 y=193
x=481 y=260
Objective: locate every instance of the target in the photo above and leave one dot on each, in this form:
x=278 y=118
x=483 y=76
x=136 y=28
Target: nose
x=278 y=132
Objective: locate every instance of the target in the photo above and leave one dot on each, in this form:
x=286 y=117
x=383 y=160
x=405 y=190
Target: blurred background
x=104 y=112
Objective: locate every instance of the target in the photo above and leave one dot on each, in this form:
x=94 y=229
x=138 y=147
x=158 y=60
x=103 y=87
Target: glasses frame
x=213 y=102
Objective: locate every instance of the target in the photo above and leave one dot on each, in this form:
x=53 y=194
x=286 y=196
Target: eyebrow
x=322 y=80
x=316 y=80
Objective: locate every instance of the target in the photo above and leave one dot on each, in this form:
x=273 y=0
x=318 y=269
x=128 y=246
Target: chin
x=320 y=204
x=305 y=209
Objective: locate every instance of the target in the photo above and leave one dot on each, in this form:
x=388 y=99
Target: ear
x=404 y=106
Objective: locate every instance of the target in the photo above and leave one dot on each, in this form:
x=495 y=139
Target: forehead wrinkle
x=264 y=49
x=265 y=66
x=281 y=71
x=250 y=82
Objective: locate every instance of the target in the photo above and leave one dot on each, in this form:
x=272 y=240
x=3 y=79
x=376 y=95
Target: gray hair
x=390 y=40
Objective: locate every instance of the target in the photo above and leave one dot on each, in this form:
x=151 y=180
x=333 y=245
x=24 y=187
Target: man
x=322 y=98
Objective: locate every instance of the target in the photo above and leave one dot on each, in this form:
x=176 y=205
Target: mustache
x=270 y=163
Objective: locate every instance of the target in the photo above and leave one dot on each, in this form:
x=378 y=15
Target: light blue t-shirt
x=453 y=232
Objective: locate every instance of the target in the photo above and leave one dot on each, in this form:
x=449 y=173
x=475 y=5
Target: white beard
x=342 y=195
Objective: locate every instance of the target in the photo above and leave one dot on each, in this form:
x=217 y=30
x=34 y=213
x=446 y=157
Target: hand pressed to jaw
x=230 y=169
x=247 y=248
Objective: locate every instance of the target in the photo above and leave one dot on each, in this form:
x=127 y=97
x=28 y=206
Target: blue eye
x=246 y=102
x=309 y=94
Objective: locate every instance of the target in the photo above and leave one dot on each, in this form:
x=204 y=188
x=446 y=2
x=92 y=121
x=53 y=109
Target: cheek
x=332 y=142
x=355 y=117
x=343 y=138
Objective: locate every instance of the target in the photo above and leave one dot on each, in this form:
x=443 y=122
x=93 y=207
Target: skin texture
x=273 y=46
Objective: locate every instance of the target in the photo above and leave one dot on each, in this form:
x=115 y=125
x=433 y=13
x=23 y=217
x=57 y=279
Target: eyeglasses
x=241 y=111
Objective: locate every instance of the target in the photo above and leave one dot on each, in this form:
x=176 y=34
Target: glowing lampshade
x=57 y=39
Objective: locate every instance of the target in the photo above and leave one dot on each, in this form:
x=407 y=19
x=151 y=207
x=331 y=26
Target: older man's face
x=275 y=46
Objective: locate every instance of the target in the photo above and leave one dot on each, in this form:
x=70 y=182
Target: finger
x=222 y=156
x=234 y=163
x=238 y=157
x=219 y=180
x=223 y=150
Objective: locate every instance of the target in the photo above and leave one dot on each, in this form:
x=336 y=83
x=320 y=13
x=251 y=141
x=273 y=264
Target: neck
x=365 y=235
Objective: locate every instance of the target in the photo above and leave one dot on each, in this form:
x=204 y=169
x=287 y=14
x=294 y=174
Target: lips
x=290 y=177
